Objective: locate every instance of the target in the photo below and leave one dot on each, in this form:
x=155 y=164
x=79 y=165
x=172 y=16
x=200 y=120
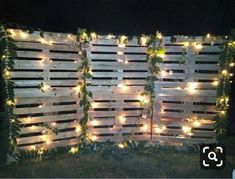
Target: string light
x=186 y=129
x=73 y=150
x=41 y=106
x=44 y=87
x=198 y=46
x=121 y=146
x=53 y=124
x=223 y=112
x=110 y=36
x=224 y=72
x=163 y=73
x=122 y=86
x=94 y=122
x=215 y=83
x=143 y=99
x=23 y=35
x=93 y=35
x=145 y=127
x=143 y=41
x=186 y=44
x=196 y=123
x=122 y=45
x=208 y=36
x=144 y=116
x=231 y=64
x=33 y=147
x=123 y=38
x=122 y=119
x=93 y=137
x=78 y=88
x=192 y=87
x=120 y=53
x=78 y=129
x=159 y=35
x=7 y=73
x=10 y=103
x=12 y=32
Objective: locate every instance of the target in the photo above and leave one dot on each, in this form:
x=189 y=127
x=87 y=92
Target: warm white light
x=224 y=72
x=45 y=87
x=145 y=127
x=41 y=106
x=143 y=41
x=186 y=44
x=231 y=64
x=170 y=72
x=196 y=123
x=222 y=112
x=159 y=35
x=208 y=36
x=53 y=124
x=122 y=119
x=123 y=38
x=121 y=146
x=93 y=35
x=122 y=45
x=78 y=88
x=110 y=36
x=163 y=73
x=158 y=130
x=192 y=87
x=73 y=150
x=144 y=116
x=126 y=61
x=198 y=46
x=94 y=122
x=143 y=99
x=186 y=129
x=215 y=83
x=23 y=35
x=120 y=53
x=122 y=86
x=12 y=32
x=93 y=137
x=78 y=129
x=33 y=147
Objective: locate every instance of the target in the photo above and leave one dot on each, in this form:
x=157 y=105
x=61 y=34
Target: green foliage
x=226 y=59
x=7 y=54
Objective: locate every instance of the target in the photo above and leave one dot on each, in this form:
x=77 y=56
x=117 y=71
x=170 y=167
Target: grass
x=165 y=164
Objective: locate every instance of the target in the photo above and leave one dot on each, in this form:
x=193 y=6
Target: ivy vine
x=7 y=54
x=226 y=62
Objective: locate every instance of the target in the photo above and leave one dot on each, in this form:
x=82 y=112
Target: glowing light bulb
x=196 y=123
x=231 y=64
x=186 y=129
x=120 y=53
x=10 y=103
x=94 y=122
x=78 y=129
x=192 y=87
x=163 y=73
x=208 y=36
x=23 y=35
x=33 y=147
x=122 y=45
x=158 y=130
x=93 y=137
x=123 y=38
x=12 y=32
x=53 y=124
x=7 y=73
x=73 y=150
x=159 y=35
x=45 y=87
x=42 y=40
x=41 y=106
x=145 y=127
x=186 y=44
x=122 y=119
x=222 y=112
x=93 y=35
x=126 y=61
x=144 y=116
x=224 y=72
x=215 y=83
x=143 y=41
x=110 y=36
x=198 y=46
x=121 y=146
x=78 y=88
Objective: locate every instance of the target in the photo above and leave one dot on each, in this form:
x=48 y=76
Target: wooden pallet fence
x=185 y=91
x=52 y=60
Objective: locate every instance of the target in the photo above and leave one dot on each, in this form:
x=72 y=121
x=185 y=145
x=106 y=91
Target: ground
x=164 y=164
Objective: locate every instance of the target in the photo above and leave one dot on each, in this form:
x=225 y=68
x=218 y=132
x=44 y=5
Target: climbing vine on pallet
x=226 y=62
x=7 y=54
x=85 y=70
x=155 y=53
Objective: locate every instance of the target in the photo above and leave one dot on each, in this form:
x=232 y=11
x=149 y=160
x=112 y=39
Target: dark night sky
x=171 y=17
x=189 y=17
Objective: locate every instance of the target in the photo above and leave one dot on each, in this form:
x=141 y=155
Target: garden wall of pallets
x=118 y=79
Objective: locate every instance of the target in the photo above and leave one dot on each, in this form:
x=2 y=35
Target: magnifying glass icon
x=212 y=156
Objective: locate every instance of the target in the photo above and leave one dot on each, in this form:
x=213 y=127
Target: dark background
x=171 y=17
